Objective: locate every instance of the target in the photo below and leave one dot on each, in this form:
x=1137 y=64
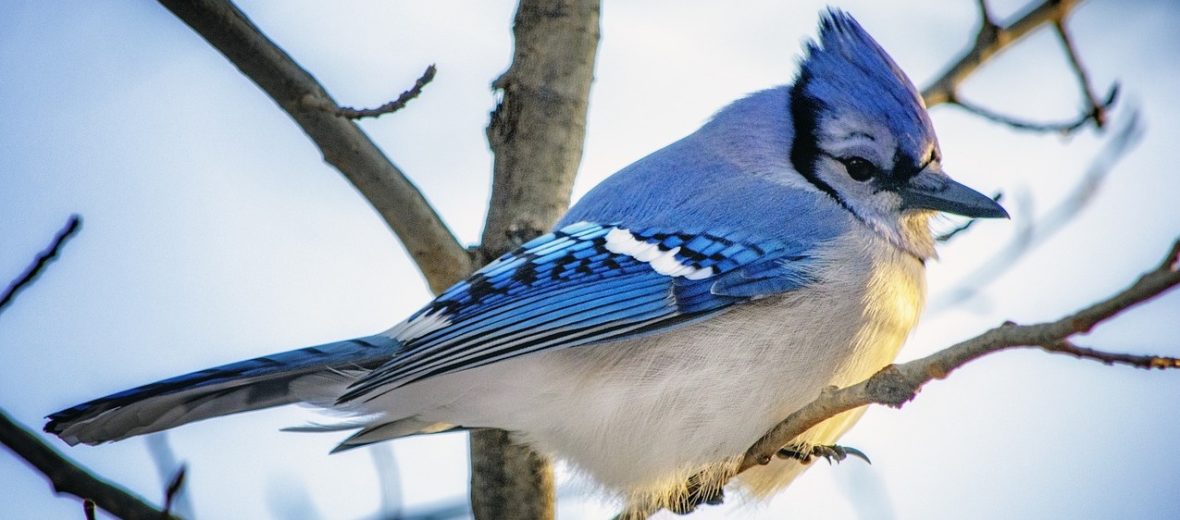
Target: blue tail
x=237 y=387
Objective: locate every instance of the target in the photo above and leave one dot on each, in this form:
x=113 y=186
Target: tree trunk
x=536 y=133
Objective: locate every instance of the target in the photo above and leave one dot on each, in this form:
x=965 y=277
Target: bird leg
x=804 y=453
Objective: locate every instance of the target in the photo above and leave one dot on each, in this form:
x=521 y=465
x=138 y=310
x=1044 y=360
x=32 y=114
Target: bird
x=676 y=313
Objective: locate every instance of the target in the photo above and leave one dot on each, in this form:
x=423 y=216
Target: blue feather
x=262 y=382
x=569 y=288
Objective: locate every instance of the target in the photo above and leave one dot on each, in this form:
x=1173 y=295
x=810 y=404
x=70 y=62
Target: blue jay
x=680 y=310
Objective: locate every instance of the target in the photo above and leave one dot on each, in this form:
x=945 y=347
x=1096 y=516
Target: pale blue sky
x=214 y=232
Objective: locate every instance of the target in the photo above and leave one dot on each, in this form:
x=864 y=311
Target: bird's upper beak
x=934 y=190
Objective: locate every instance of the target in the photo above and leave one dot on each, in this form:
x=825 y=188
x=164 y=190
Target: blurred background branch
x=1033 y=232
x=992 y=38
x=171 y=472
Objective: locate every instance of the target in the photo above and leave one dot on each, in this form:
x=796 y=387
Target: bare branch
x=1097 y=109
x=69 y=478
x=442 y=259
x=169 y=469
x=1096 y=112
x=390 y=107
x=1036 y=232
x=43 y=259
x=1112 y=358
x=895 y=385
x=991 y=40
x=985 y=16
x=174 y=487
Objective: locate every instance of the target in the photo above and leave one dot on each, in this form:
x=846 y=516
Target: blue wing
x=584 y=283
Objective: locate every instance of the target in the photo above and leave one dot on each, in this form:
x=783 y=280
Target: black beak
x=936 y=191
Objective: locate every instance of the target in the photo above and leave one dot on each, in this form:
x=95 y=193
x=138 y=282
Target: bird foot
x=805 y=453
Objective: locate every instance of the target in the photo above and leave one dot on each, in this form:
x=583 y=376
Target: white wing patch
x=622 y=242
x=418 y=327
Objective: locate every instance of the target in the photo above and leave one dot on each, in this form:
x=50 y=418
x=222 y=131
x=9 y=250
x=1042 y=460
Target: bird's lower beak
x=936 y=191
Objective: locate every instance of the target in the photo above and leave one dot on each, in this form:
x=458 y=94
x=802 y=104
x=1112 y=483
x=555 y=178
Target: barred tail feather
x=228 y=389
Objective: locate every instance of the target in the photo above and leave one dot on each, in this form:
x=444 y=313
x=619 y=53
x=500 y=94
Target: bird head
x=862 y=135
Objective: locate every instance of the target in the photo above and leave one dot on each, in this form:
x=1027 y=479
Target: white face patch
x=622 y=242
x=418 y=327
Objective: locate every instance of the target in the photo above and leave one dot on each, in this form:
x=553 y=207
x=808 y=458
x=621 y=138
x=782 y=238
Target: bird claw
x=834 y=452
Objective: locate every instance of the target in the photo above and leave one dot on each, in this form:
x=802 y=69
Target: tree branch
x=1097 y=109
x=991 y=40
x=43 y=259
x=67 y=477
x=440 y=256
x=1096 y=113
x=390 y=107
x=895 y=385
x=536 y=134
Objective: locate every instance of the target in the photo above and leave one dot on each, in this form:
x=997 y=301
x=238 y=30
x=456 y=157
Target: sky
x=215 y=232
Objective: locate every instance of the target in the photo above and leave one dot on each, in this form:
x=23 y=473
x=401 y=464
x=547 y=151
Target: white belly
x=640 y=416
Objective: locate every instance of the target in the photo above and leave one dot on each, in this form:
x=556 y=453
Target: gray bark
x=536 y=133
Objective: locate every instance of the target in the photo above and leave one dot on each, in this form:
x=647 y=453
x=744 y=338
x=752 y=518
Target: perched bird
x=680 y=310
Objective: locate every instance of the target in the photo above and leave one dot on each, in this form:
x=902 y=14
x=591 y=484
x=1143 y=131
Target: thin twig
x=392 y=106
x=990 y=40
x=432 y=245
x=1097 y=109
x=1112 y=358
x=1096 y=113
x=44 y=258
x=174 y=487
x=985 y=16
x=168 y=468
x=67 y=477
x=947 y=236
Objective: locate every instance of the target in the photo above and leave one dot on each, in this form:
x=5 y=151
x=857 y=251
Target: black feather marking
x=526 y=273
x=805 y=150
x=362 y=342
x=479 y=287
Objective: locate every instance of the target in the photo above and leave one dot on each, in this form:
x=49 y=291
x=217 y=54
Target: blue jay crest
x=847 y=72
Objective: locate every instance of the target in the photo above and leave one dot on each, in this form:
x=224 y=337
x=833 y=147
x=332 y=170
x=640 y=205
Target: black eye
x=859 y=168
